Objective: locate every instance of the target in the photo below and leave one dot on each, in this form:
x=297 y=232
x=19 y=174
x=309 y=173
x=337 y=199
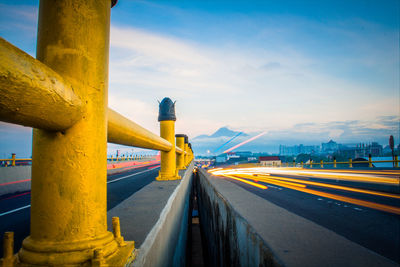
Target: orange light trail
x=300 y=185
x=247 y=182
x=364 y=191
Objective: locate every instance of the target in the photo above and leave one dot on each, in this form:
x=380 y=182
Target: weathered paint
x=180 y=158
x=68 y=212
x=125 y=132
x=31 y=92
x=168 y=169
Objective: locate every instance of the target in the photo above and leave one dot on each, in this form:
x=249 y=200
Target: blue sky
x=254 y=66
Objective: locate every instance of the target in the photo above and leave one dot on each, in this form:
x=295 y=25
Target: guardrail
x=63 y=95
x=13 y=161
x=335 y=163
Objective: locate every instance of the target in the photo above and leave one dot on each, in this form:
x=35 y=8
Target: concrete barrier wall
x=15 y=179
x=18 y=178
x=165 y=245
x=230 y=239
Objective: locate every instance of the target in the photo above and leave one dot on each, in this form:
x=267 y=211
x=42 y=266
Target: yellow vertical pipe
x=334 y=163
x=186 y=158
x=396 y=163
x=68 y=199
x=8 y=250
x=369 y=161
x=168 y=159
x=13 y=159
x=180 y=159
x=350 y=163
x=322 y=163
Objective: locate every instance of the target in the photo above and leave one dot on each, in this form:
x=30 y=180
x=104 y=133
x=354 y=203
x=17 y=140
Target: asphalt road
x=15 y=208
x=373 y=228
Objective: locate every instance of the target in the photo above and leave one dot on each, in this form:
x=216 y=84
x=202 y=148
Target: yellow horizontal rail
x=125 y=132
x=34 y=95
x=16 y=159
x=179 y=151
x=31 y=92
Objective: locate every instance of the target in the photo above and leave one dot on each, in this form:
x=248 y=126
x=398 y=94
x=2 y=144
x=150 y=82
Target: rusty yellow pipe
x=125 y=132
x=68 y=194
x=31 y=92
x=180 y=158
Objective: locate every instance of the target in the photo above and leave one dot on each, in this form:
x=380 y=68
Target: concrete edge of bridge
x=165 y=245
x=156 y=218
x=242 y=229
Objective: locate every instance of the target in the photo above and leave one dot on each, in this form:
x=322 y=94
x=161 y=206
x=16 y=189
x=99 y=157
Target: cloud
x=251 y=86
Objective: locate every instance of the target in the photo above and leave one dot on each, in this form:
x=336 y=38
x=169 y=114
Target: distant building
x=375 y=149
x=244 y=154
x=330 y=147
x=221 y=158
x=297 y=149
x=269 y=161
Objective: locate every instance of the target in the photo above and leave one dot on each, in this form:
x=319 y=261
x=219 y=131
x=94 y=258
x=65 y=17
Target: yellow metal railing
x=63 y=95
x=335 y=163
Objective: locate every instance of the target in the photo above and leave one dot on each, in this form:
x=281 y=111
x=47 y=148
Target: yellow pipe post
x=294 y=163
x=334 y=162
x=68 y=192
x=190 y=153
x=350 y=163
x=186 y=158
x=396 y=163
x=180 y=158
x=322 y=163
x=167 y=118
x=8 y=250
x=302 y=164
x=13 y=159
x=311 y=163
x=370 y=161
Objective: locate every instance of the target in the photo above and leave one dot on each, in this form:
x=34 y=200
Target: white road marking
x=124 y=177
x=14 y=210
x=109 y=182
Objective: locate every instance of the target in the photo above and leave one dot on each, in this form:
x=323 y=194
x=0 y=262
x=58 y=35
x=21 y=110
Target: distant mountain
x=221 y=132
x=224 y=131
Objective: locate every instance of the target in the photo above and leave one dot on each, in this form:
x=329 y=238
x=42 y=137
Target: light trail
x=338 y=187
x=230 y=140
x=244 y=142
x=247 y=182
x=365 y=178
x=269 y=180
x=300 y=185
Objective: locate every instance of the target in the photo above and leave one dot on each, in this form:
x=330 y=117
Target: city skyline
x=292 y=69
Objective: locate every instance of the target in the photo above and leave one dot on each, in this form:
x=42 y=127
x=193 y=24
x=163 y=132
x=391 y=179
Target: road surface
x=15 y=208
x=335 y=200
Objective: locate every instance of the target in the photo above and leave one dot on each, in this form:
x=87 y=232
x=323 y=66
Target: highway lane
x=335 y=208
x=15 y=209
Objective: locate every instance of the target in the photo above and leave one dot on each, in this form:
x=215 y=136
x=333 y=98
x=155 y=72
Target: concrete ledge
x=156 y=218
x=243 y=229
